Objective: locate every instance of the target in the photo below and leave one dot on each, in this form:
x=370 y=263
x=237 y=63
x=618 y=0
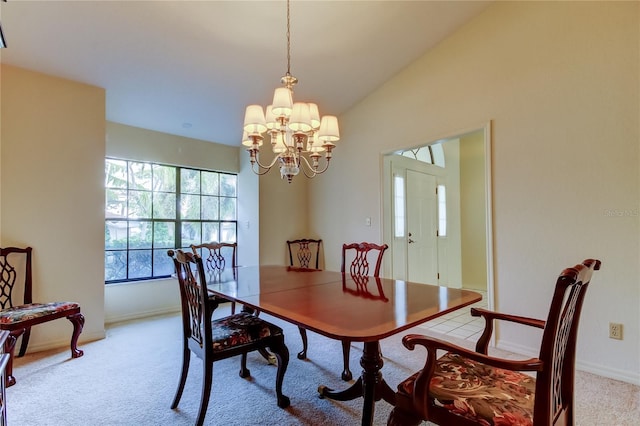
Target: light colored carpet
x=130 y=377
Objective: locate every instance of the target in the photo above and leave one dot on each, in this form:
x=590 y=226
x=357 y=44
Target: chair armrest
x=420 y=395
x=433 y=344
x=482 y=345
x=477 y=312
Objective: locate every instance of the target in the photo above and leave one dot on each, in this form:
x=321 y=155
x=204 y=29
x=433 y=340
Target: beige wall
x=134 y=143
x=52 y=180
x=473 y=217
x=284 y=214
x=560 y=82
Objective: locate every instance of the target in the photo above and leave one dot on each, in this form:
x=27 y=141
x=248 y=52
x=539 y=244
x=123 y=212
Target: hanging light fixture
x=295 y=129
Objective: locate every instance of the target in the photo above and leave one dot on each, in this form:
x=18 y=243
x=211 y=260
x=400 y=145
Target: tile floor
x=460 y=323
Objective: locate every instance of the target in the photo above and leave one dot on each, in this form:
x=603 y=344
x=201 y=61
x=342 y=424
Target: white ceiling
x=190 y=67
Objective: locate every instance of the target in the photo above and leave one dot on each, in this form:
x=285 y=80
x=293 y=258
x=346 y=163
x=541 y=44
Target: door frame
x=386 y=199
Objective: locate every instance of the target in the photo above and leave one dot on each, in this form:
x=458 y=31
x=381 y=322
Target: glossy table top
x=333 y=304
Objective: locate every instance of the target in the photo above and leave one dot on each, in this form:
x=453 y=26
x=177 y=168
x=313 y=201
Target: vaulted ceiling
x=190 y=67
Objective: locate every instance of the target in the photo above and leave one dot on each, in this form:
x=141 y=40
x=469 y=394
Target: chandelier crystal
x=297 y=134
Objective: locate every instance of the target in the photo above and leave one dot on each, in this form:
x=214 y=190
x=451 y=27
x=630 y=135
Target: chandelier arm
x=313 y=171
x=304 y=169
x=258 y=172
x=326 y=166
x=262 y=166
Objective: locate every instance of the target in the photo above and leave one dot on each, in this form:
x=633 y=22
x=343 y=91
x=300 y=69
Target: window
x=398 y=204
x=151 y=208
x=442 y=211
x=430 y=154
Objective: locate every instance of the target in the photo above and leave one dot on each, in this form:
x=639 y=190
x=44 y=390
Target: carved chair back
x=216 y=256
x=360 y=257
x=554 y=385
x=196 y=311
x=12 y=260
x=304 y=253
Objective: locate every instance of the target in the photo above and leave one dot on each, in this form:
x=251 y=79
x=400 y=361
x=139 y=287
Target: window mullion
x=178 y=226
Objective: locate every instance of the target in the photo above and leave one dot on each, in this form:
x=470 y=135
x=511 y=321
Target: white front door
x=422 y=226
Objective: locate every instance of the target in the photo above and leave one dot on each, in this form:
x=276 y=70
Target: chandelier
x=297 y=134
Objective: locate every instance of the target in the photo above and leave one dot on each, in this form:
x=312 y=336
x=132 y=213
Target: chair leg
x=78 y=323
x=244 y=371
x=399 y=417
x=9 y=347
x=25 y=342
x=207 y=375
x=186 y=358
x=346 y=349
x=303 y=334
x=281 y=352
x=233 y=308
x=269 y=357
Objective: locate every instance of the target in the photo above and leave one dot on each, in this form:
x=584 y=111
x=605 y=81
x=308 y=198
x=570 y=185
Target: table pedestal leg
x=369 y=385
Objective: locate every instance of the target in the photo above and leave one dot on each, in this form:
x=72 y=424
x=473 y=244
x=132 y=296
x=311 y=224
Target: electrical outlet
x=615 y=331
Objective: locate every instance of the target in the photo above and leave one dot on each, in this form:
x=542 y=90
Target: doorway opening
x=437 y=212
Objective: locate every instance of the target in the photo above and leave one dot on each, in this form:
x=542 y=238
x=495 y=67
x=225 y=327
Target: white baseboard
x=62 y=343
x=517 y=348
x=611 y=373
x=97 y=335
x=598 y=369
x=141 y=314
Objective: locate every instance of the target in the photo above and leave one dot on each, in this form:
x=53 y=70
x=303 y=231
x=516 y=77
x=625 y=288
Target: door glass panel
x=399 y=216
x=442 y=211
x=438 y=154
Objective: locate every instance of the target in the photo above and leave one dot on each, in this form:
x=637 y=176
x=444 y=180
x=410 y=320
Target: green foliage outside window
x=151 y=208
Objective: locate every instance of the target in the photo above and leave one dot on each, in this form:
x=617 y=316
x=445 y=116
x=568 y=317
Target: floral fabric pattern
x=240 y=329
x=488 y=395
x=33 y=310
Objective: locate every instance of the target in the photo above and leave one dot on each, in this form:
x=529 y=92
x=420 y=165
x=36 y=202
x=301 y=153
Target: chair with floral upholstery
x=15 y=273
x=216 y=339
x=466 y=388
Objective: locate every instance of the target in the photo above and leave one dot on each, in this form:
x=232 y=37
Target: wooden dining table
x=336 y=305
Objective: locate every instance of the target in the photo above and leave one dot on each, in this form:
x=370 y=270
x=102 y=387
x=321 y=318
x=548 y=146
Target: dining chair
x=364 y=260
x=216 y=257
x=466 y=388
x=304 y=253
x=16 y=274
x=216 y=339
x=359 y=257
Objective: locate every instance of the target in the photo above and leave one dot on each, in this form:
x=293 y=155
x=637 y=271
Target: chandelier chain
x=288 y=39
x=296 y=130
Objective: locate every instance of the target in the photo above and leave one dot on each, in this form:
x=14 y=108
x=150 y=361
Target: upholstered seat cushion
x=240 y=329
x=488 y=395
x=33 y=310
